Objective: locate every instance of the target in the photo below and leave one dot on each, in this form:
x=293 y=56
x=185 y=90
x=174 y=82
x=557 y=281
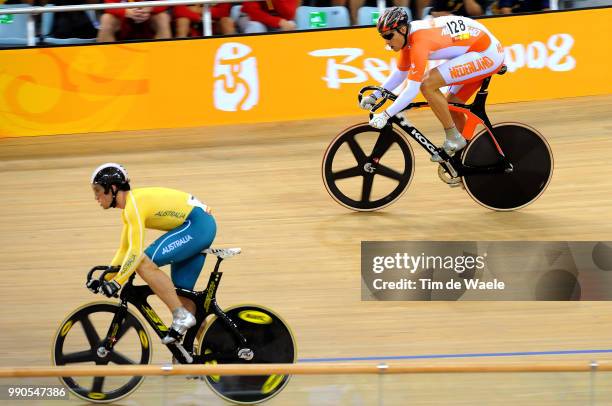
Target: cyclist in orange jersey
x=472 y=54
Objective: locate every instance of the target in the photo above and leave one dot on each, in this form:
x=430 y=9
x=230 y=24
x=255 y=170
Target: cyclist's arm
x=135 y=237
x=413 y=65
x=405 y=97
x=123 y=246
x=393 y=81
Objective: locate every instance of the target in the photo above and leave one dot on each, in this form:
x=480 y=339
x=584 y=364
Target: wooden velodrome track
x=301 y=253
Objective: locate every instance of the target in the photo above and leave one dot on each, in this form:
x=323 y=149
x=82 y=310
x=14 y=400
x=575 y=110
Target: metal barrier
x=299 y=369
x=31 y=11
x=540 y=381
x=206 y=16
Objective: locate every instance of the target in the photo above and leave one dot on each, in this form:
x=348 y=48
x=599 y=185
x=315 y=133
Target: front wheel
x=360 y=155
x=532 y=167
x=271 y=342
x=80 y=336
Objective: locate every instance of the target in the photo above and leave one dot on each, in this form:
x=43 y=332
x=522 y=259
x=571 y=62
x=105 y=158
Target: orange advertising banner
x=291 y=76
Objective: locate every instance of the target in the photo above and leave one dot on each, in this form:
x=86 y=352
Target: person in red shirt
x=134 y=23
x=188 y=20
x=269 y=15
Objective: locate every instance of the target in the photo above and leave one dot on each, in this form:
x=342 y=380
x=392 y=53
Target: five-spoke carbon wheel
x=532 y=167
x=270 y=341
x=360 y=155
x=77 y=342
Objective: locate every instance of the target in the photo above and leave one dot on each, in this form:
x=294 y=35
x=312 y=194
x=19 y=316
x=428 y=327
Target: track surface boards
x=301 y=250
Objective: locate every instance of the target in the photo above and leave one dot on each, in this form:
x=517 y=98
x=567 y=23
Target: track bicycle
x=504 y=167
x=243 y=334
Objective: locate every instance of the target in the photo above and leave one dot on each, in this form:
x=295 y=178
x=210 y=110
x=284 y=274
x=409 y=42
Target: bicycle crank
x=245 y=354
x=446 y=177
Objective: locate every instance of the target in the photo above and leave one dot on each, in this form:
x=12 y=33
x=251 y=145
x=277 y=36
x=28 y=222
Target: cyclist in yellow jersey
x=189 y=227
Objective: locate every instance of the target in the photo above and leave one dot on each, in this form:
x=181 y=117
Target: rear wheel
x=77 y=342
x=532 y=167
x=366 y=169
x=271 y=342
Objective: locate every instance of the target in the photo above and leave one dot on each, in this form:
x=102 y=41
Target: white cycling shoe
x=450 y=147
x=182 y=321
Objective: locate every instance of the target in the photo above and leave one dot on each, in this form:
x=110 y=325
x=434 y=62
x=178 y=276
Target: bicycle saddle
x=222 y=252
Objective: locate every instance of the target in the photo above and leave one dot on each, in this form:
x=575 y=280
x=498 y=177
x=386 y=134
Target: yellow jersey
x=153 y=207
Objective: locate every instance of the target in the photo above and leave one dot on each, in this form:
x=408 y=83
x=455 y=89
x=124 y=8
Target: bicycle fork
x=113 y=333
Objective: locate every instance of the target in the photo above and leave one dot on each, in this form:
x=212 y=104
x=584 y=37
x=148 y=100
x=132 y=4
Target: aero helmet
x=391 y=19
x=110 y=174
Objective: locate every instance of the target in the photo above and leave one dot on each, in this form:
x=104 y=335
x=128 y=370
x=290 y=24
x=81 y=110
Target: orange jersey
x=441 y=38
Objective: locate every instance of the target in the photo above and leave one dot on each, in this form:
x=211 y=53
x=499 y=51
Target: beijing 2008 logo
x=236 y=85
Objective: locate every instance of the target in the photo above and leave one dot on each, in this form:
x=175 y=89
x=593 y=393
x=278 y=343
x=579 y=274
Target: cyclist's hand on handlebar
x=111 y=288
x=93 y=285
x=379 y=120
x=368 y=102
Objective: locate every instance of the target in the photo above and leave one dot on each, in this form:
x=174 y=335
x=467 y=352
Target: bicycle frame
x=206 y=304
x=475 y=114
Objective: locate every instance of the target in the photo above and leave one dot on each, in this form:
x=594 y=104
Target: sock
x=452 y=133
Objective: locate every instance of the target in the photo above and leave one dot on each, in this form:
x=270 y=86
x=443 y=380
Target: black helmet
x=391 y=19
x=110 y=174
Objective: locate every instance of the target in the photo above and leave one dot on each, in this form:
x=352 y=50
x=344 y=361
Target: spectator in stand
x=269 y=15
x=74 y=24
x=520 y=6
x=465 y=8
x=134 y=23
x=188 y=20
x=355 y=5
x=417 y=7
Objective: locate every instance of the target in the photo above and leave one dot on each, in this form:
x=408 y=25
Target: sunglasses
x=389 y=35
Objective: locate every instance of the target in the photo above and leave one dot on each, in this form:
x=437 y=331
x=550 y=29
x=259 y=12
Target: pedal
x=173 y=336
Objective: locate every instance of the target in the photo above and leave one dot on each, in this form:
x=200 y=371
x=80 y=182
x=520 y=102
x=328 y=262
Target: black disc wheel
x=532 y=166
x=269 y=339
x=366 y=169
x=81 y=335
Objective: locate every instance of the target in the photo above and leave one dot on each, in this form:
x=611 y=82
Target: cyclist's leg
x=184 y=242
x=468 y=68
x=189 y=261
x=430 y=87
x=159 y=282
x=162 y=286
x=160 y=253
x=177 y=245
x=184 y=275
